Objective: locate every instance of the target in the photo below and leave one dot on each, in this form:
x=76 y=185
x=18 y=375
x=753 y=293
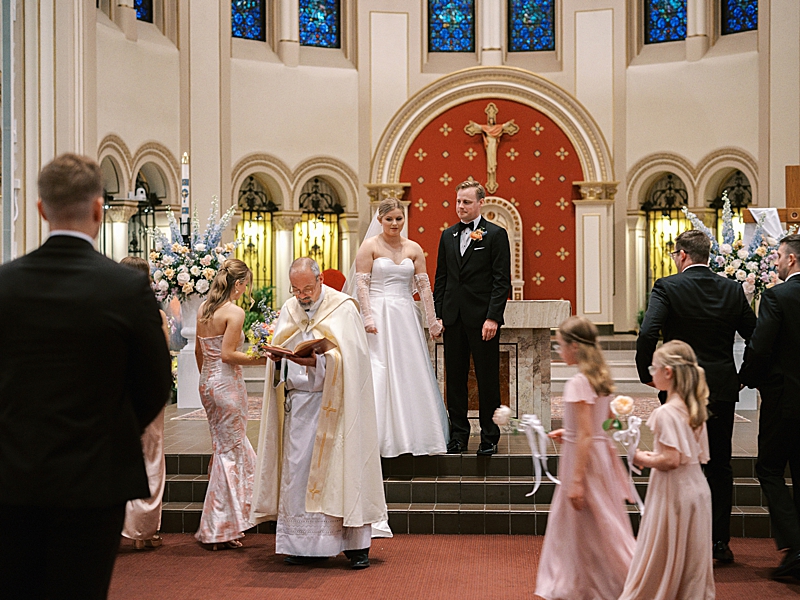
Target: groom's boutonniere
x=477 y=234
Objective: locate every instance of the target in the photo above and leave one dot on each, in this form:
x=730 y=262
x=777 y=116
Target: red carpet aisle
x=408 y=567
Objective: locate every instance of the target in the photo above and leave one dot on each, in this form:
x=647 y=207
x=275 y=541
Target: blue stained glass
x=531 y=25
x=738 y=16
x=144 y=10
x=451 y=25
x=320 y=23
x=248 y=19
x=665 y=21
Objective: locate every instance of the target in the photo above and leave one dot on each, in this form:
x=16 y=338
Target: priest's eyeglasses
x=306 y=291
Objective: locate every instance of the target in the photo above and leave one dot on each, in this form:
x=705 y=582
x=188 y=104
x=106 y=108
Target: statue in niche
x=492 y=132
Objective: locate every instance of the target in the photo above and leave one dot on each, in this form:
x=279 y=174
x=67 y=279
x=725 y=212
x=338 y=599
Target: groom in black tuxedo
x=704 y=310
x=473 y=280
x=83 y=369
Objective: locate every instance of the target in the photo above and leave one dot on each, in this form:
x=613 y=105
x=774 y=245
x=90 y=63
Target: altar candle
x=185 y=195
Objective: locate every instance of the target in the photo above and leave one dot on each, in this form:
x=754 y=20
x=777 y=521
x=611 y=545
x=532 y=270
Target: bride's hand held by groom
x=436 y=330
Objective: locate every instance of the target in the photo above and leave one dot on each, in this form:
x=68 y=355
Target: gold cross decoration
x=492 y=132
x=314 y=491
x=329 y=409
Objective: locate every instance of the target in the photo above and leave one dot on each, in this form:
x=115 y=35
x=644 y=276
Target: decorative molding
x=597 y=191
x=698 y=179
x=486 y=83
x=380 y=191
x=273 y=167
x=121 y=211
x=161 y=156
x=114 y=147
x=285 y=220
x=503 y=213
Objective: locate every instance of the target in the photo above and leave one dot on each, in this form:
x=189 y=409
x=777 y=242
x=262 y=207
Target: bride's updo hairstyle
x=590 y=359
x=689 y=378
x=231 y=271
x=387 y=205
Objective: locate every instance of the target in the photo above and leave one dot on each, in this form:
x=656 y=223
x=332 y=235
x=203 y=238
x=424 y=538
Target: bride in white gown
x=389 y=269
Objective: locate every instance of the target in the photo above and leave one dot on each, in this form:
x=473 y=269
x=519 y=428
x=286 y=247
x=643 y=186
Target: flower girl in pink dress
x=673 y=558
x=589 y=541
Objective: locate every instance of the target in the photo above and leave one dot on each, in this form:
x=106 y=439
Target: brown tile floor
x=192 y=437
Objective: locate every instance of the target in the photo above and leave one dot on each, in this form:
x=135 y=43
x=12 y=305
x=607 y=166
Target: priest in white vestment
x=319 y=471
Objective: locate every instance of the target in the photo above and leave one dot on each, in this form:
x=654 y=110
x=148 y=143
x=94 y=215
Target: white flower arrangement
x=752 y=266
x=185 y=271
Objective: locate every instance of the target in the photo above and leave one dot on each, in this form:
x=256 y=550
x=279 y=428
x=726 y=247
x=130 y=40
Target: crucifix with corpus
x=492 y=132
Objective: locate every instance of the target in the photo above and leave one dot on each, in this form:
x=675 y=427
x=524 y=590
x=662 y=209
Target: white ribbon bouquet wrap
x=532 y=427
x=622 y=406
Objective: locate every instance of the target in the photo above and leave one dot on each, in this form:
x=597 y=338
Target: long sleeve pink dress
x=586 y=553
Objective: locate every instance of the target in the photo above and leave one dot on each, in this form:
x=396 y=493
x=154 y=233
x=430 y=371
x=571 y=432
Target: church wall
x=138 y=87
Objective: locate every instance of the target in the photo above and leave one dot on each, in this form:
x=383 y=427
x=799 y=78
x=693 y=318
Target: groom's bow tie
x=462 y=226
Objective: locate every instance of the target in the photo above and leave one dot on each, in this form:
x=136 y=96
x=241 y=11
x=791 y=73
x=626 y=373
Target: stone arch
x=503 y=213
x=715 y=167
x=115 y=149
x=167 y=164
x=273 y=173
x=343 y=179
x=492 y=82
x=642 y=175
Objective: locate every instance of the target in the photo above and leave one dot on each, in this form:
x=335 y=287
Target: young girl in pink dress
x=673 y=558
x=589 y=542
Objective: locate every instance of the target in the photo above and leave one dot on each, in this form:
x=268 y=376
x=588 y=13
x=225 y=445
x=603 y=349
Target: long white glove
x=423 y=284
x=362 y=294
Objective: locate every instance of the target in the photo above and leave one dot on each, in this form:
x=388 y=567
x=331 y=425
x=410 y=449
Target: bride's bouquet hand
x=371 y=329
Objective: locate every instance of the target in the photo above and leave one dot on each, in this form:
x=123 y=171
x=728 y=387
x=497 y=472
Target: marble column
x=594 y=252
x=283 y=223
x=115 y=228
x=491 y=33
x=635 y=269
x=349 y=240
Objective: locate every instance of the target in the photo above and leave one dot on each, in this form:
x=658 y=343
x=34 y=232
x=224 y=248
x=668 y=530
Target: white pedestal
x=748 y=397
x=188 y=375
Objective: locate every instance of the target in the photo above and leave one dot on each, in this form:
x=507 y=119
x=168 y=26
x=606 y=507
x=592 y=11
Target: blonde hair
x=689 y=378
x=231 y=271
x=480 y=191
x=387 y=205
x=591 y=361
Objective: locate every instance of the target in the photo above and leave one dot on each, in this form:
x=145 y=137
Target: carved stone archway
x=503 y=213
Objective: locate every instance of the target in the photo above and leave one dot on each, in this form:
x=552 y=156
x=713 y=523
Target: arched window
x=317 y=233
x=320 y=23
x=531 y=25
x=664 y=21
x=248 y=19
x=451 y=25
x=255 y=231
x=736 y=188
x=738 y=15
x=665 y=221
x=144 y=10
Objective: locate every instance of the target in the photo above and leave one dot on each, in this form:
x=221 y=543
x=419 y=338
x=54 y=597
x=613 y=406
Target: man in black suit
x=473 y=280
x=772 y=364
x=83 y=369
x=704 y=310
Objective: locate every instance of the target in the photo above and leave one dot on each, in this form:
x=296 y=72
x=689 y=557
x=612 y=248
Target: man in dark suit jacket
x=704 y=310
x=473 y=280
x=772 y=364
x=83 y=369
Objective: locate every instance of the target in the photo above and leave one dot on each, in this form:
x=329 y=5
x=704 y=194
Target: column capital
x=597 y=191
x=285 y=220
x=121 y=211
x=381 y=191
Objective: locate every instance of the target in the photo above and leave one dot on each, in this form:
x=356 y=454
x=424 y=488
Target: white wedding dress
x=411 y=414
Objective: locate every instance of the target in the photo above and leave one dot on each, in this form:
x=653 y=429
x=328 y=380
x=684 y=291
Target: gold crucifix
x=492 y=132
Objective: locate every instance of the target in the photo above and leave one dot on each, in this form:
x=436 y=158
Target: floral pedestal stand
x=188 y=375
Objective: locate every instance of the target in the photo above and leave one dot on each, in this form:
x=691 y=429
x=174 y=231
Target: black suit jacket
x=772 y=359
x=84 y=367
x=474 y=286
x=704 y=310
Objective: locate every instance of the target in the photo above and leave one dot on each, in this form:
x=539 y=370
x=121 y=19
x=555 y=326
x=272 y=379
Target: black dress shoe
x=303 y=560
x=359 y=559
x=790 y=565
x=722 y=552
x=456 y=447
x=487 y=449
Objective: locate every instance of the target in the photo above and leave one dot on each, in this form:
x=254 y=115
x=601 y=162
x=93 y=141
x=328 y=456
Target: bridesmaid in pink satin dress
x=226 y=510
x=589 y=541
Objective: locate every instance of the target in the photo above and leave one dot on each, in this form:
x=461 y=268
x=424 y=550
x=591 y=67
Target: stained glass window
x=144 y=10
x=738 y=16
x=664 y=21
x=320 y=23
x=451 y=25
x=248 y=19
x=531 y=25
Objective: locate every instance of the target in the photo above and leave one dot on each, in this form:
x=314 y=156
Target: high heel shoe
x=226 y=545
x=153 y=542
